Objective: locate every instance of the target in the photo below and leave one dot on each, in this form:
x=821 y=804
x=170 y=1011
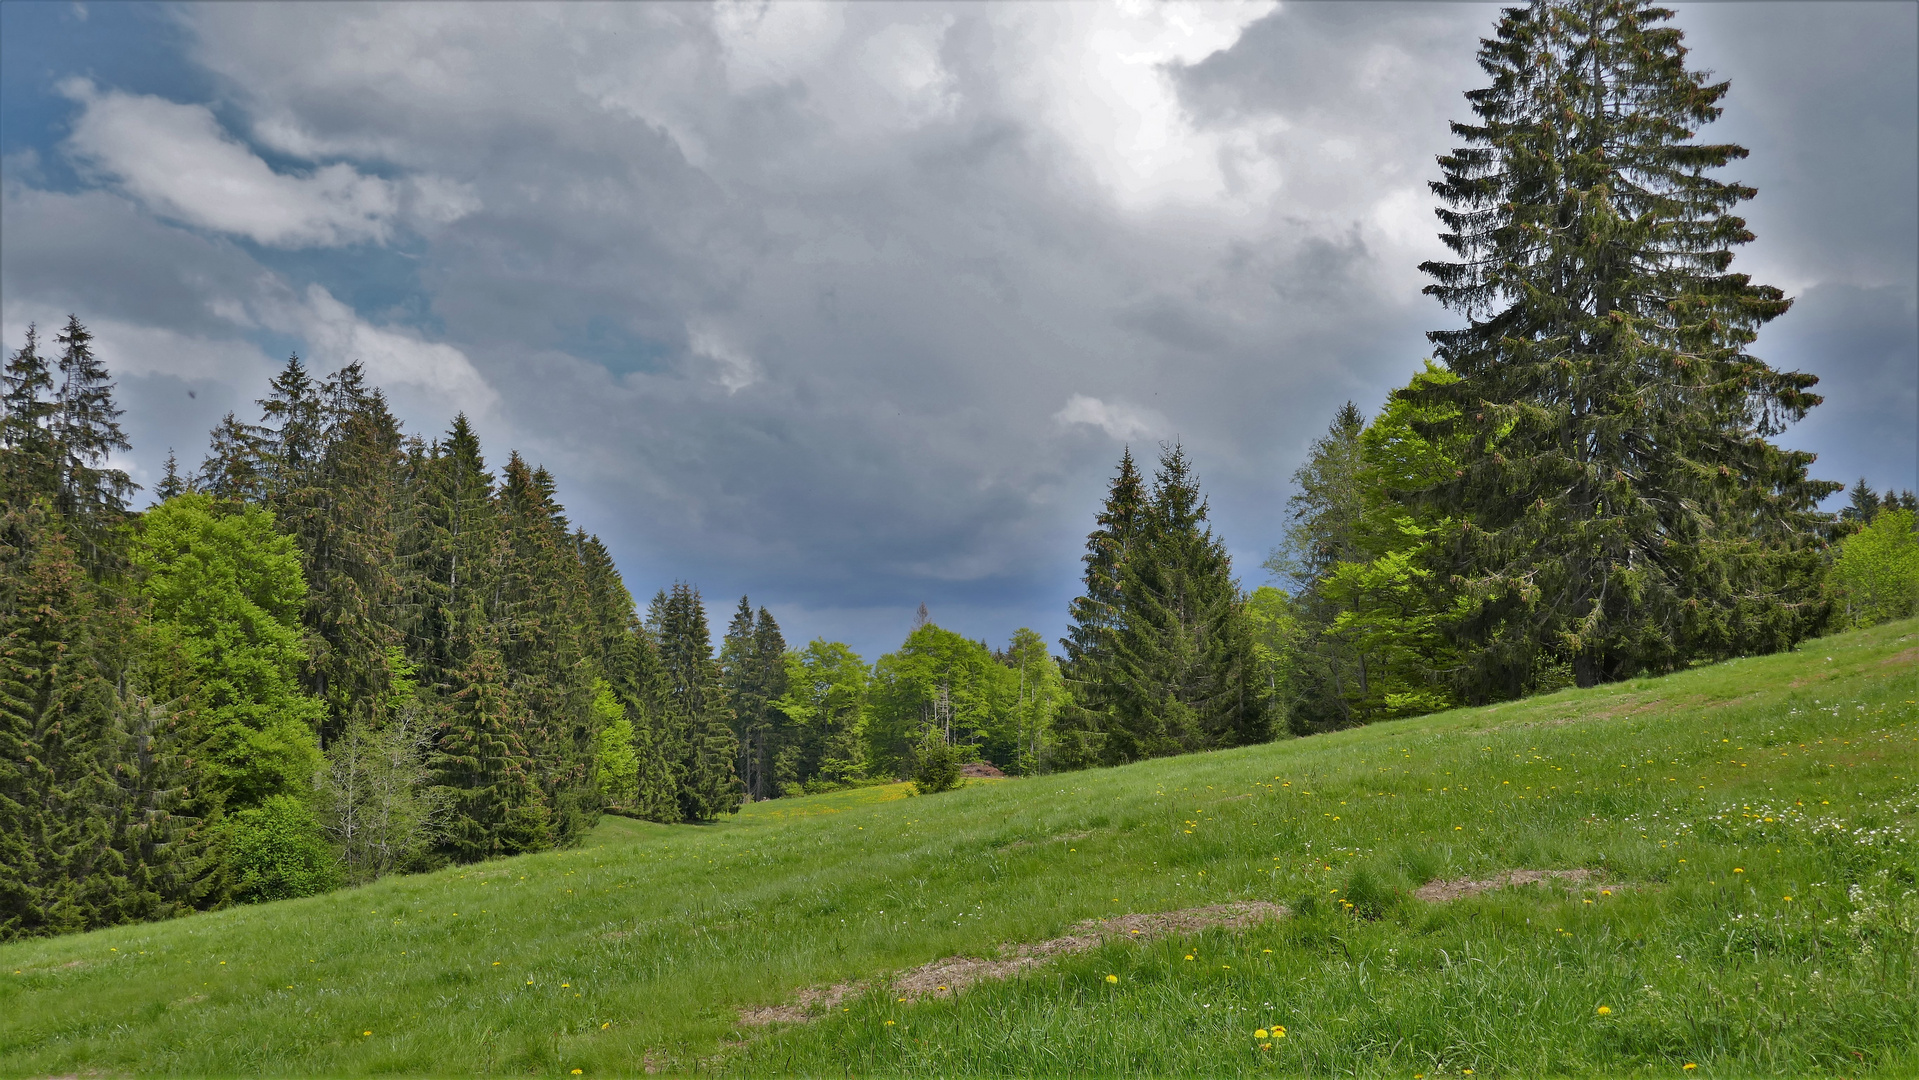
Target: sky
x=852 y=307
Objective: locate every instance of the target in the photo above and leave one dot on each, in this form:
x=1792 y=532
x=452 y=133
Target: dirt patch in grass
x=805 y=1004
x=1909 y=658
x=1460 y=888
x=944 y=978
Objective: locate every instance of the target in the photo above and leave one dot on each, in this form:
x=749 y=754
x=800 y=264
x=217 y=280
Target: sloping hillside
x=1748 y=906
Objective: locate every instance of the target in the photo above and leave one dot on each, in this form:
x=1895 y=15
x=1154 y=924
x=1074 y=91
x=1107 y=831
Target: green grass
x=1704 y=799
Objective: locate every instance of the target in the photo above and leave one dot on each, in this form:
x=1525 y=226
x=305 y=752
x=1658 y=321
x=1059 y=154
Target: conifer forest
x=324 y=648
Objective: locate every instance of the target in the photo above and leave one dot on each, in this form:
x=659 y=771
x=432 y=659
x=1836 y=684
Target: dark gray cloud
x=850 y=307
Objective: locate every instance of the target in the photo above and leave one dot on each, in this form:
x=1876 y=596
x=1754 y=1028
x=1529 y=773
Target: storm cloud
x=850 y=307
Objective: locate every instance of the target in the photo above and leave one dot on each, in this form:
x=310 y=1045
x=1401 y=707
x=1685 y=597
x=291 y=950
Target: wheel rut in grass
x=1460 y=888
x=948 y=976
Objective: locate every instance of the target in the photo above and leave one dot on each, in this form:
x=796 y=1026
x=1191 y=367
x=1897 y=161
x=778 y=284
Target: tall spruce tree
x=699 y=740
x=92 y=496
x=1089 y=670
x=454 y=555
x=1189 y=678
x=344 y=503
x=165 y=815
x=233 y=469
x=1326 y=505
x=488 y=776
x=171 y=482
x=548 y=643
x=29 y=460
x=1620 y=507
x=58 y=869
x=1160 y=658
x=630 y=664
x=753 y=671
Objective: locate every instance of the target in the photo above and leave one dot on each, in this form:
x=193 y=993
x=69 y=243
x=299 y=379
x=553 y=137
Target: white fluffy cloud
x=1117 y=419
x=1100 y=77
x=394 y=358
x=178 y=161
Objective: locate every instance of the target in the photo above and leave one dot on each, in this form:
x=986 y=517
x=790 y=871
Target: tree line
x=335 y=651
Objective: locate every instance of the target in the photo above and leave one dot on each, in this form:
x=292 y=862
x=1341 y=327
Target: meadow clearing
x=1746 y=832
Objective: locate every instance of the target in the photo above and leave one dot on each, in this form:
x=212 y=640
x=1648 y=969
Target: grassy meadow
x=1753 y=829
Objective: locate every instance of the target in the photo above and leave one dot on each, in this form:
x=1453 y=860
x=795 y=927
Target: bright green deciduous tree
x=277 y=851
x=1876 y=574
x=1039 y=694
x=1373 y=598
x=617 y=761
x=825 y=702
x=225 y=588
x=942 y=682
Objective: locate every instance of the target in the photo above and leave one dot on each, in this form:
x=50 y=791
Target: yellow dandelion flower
x=1605 y=1010
x=1265 y=950
x=576 y=1072
x=1189 y=956
x=1112 y=978
x=606 y=1025
x=1260 y=1034
x=366 y=1033
x=566 y=986
x=1788 y=899
x=1687 y=1067
x=889 y=1023
x=1738 y=869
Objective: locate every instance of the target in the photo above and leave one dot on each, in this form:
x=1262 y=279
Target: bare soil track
x=948 y=976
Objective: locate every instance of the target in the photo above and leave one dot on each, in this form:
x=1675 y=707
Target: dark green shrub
x=936 y=763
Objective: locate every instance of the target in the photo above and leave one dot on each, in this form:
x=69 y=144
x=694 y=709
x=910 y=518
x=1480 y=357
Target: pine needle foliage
x=1160 y=656
x=699 y=742
x=1620 y=507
